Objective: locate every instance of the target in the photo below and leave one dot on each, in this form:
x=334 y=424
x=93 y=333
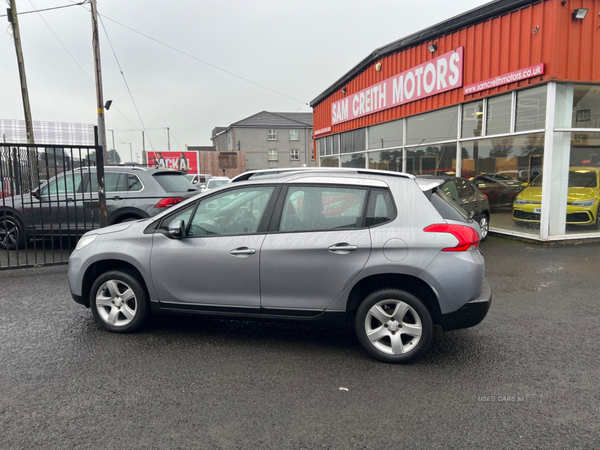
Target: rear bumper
x=471 y=313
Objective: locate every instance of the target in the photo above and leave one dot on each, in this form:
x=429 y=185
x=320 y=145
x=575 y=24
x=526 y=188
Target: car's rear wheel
x=12 y=235
x=119 y=302
x=484 y=224
x=393 y=326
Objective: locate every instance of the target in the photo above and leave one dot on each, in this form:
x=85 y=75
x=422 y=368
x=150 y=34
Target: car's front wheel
x=119 y=302
x=393 y=326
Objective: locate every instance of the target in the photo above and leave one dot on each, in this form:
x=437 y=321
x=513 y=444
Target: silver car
x=383 y=251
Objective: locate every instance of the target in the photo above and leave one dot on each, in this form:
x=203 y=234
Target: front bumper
x=471 y=313
x=576 y=215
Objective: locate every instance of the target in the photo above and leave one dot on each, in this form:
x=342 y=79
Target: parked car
x=500 y=190
x=67 y=204
x=468 y=196
x=215 y=182
x=582 y=199
x=407 y=259
x=198 y=179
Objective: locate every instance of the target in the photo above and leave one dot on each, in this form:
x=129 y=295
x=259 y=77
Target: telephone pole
x=101 y=153
x=14 y=21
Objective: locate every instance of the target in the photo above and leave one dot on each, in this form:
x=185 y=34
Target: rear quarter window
x=447 y=208
x=173 y=182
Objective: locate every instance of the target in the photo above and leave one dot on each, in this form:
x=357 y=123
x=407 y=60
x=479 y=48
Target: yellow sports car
x=582 y=200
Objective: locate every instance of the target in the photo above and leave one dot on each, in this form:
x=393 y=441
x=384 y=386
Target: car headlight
x=586 y=203
x=520 y=201
x=85 y=240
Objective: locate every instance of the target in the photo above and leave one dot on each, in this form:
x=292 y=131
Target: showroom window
x=472 y=119
x=498 y=114
x=531 y=109
x=356 y=160
x=431 y=127
x=385 y=135
x=353 y=141
x=586 y=106
x=432 y=159
x=386 y=160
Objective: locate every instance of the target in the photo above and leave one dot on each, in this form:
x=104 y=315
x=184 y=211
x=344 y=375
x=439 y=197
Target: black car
x=469 y=197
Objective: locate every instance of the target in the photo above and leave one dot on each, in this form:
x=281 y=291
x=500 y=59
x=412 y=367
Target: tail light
x=168 y=202
x=468 y=238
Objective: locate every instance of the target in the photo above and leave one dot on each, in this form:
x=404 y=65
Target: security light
x=580 y=13
x=107 y=104
x=433 y=47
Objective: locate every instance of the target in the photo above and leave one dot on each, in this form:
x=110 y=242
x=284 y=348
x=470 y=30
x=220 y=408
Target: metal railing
x=46 y=202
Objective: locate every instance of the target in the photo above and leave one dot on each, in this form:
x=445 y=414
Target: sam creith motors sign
x=439 y=75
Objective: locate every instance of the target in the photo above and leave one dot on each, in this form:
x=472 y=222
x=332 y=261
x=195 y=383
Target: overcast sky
x=296 y=48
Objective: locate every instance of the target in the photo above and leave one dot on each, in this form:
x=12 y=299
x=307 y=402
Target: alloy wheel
x=393 y=327
x=116 y=303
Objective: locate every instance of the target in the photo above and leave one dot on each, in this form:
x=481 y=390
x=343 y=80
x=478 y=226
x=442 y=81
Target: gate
x=46 y=202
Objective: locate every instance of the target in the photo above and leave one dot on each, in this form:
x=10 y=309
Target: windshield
x=583 y=178
x=173 y=182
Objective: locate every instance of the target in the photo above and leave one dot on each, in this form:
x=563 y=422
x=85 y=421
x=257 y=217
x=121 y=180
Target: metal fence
x=46 y=202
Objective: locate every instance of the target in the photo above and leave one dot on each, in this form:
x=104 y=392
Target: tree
x=533 y=145
x=501 y=147
x=113 y=157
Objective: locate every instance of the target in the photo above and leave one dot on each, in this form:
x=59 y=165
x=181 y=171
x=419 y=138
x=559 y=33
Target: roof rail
x=283 y=171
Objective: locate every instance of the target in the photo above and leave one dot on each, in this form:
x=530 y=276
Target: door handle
x=242 y=251
x=342 y=248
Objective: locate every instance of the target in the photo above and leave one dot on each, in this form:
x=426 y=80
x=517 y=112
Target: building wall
x=543 y=32
x=255 y=144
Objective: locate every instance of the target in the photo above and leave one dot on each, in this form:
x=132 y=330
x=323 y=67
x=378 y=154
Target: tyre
x=12 y=235
x=119 y=302
x=484 y=224
x=393 y=326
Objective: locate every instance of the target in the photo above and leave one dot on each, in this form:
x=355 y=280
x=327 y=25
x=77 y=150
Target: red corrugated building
x=499 y=95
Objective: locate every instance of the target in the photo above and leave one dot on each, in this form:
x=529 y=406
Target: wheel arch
x=408 y=283
x=106 y=265
x=124 y=213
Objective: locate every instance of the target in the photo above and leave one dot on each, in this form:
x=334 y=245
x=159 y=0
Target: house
x=269 y=139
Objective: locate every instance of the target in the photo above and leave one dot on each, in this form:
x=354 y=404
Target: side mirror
x=471 y=215
x=177 y=230
x=36 y=193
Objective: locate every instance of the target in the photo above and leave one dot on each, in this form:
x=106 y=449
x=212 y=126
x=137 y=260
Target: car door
x=318 y=246
x=57 y=203
x=216 y=263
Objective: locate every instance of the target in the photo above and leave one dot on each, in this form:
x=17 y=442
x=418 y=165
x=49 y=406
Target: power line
x=126 y=84
x=47 y=9
x=204 y=62
x=70 y=54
